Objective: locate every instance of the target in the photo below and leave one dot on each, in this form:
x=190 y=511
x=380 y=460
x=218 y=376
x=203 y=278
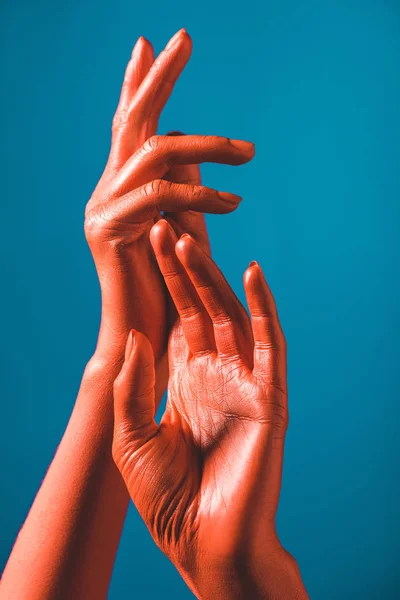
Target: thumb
x=134 y=404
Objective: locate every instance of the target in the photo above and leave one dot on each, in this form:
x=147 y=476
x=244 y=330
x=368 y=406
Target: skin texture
x=67 y=545
x=206 y=480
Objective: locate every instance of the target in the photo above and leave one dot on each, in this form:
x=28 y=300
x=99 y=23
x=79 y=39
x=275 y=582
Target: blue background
x=315 y=85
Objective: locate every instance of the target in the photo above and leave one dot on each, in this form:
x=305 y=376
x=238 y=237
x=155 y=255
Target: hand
x=207 y=479
x=58 y=551
x=136 y=186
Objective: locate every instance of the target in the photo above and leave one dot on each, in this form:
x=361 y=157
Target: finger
x=196 y=323
x=231 y=325
x=124 y=130
x=146 y=202
x=134 y=405
x=190 y=221
x=139 y=65
x=159 y=153
x=178 y=348
x=157 y=86
x=269 y=341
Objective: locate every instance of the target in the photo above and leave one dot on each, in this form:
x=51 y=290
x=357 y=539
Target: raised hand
x=67 y=545
x=146 y=175
x=207 y=479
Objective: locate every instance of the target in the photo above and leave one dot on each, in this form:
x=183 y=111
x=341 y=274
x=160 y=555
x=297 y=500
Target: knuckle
x=118 y=384
x=120 y=119
x=272 y=330
x=92 y=226
x=211 y=288
x=216 y=142
x=154 y=188
x=169 y=275
x=190 y=312
x=211 y=139
x=270 y=345
x=101 y=228
x=160 y=148
x=152 y=144
x=167 y=186
x=222 y=320
x=273 y=339
x=194 y=192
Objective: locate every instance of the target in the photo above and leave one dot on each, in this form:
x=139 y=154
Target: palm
x=207 y=479
x=218 y=420
x=216 y=448
x=209 y=394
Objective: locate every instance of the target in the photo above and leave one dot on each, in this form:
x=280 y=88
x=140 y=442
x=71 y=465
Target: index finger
x=158 y=84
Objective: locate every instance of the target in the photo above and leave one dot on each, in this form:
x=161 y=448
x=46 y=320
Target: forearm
x=67 y=546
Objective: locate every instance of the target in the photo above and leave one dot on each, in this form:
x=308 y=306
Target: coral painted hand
x=147 y=174
x=207 y=479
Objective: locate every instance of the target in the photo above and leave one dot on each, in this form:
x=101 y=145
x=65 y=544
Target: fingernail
x=254 y=263
x=137 y=45
x=175 y=133
x=130 y=344
x=174 y=38
x=242 y=145
x=185 y=235
x=230 y=198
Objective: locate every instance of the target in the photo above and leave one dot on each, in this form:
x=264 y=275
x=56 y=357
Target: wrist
x=274 y=577
x=106 y=363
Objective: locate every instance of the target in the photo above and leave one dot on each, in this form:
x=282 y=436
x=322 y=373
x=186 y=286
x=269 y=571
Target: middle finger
x=159 y=153
x=195 y=321
x=232 y=330
x=157 y=86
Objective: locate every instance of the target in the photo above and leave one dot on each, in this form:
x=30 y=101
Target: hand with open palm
x=207 y=479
